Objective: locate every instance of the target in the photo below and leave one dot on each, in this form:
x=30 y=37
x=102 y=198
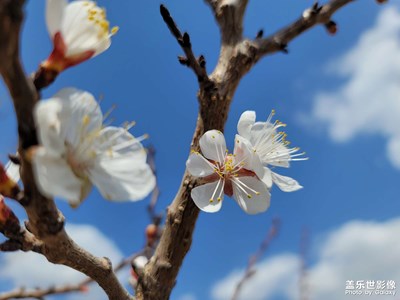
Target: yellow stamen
x=85 y=120
x=114 y=30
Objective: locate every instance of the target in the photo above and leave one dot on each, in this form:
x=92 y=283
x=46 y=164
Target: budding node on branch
x=15 y=159
x=8 y=220
x=331 y=27
x=202 y=61
x=183 y=60
x=381 y=1
x=186 y=40
x=283 y=48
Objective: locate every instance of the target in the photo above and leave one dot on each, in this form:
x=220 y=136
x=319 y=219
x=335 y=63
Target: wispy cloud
x=358 y=250
x=368 y=102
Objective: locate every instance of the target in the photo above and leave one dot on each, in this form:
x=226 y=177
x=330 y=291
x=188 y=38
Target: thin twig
x=81 y=287
x=280 y=39
x=303 y=282
x=251 y=270
x=197 y=65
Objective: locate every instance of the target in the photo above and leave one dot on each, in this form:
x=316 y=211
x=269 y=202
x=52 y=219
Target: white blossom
x=79 y=30
x=77 y=151
x=12 y=171
x=272 y=148
x=236 y=175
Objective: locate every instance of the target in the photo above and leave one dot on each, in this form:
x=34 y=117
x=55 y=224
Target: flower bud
x=8 y=220
x=79 y=31
x=331 y=27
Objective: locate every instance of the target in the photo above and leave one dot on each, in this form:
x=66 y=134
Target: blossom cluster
x=246 y=173
x=76 y=150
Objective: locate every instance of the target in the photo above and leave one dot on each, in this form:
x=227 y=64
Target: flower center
x=97 y=16
x=228 y=164
x=229 y=174
x=78 y=166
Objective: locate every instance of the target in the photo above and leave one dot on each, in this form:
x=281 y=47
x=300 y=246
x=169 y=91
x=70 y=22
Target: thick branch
x=229 y=16
x=237 y=56
x=45 y=221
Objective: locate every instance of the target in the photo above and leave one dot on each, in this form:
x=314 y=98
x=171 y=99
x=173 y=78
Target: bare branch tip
x=202 y=61
x=260 y=34
x=183 y=60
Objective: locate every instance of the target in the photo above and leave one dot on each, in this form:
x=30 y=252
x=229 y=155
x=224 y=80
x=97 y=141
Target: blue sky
x=350 y=133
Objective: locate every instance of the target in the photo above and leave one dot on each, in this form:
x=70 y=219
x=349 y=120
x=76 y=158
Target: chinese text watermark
x=370 y=287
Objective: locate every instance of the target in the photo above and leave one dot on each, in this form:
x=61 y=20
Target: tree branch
x=237 y=57
x=197 y=65
x=22 y=293
x=303 y=278
x=39 y=293
x=280 y=39
x=46 y=223
x=229 y=16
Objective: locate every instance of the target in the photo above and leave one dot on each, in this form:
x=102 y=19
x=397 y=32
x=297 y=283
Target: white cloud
x=33 y=270
x=273 y=277
x=369 y=100
x=187 y=297
x=356 y=251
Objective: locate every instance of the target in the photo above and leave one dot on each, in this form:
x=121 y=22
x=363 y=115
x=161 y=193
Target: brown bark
x=46 y=222
x=237 y=56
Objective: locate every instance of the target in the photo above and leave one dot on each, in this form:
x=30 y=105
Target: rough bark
x=46 y=222
x=237 y=56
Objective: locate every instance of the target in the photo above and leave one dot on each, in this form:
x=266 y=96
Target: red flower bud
x=8 y=220
x=331 y=27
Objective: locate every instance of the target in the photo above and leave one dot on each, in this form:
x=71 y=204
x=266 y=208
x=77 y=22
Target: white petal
x=244 y=153
x=102 y=46
x=55 y=178
x=251 y=202
x=54 y=15
x=12 y=171
x=199 y=166
x=139 y=262
x=202 y=194
x=261 y=134
x=245 y=123
x=47 y=118
x=80 y=115
x=81 y=31
x=267 y=178
x=285 y=183
x=122 y=178
x=280 y=157
x=213 y=145
x=116 y=141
